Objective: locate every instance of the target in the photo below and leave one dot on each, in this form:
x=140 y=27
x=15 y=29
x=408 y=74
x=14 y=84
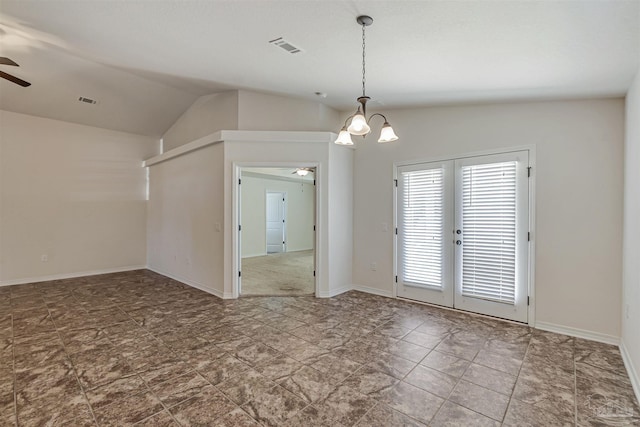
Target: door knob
x=458 y=242
x=458 y=231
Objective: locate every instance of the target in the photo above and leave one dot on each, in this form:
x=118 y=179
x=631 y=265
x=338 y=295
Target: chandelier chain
x=363 y=60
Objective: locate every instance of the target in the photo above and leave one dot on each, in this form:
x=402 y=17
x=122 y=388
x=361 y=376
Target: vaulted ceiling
x=145 y=62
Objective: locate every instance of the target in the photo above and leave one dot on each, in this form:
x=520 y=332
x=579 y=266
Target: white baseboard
x=578 y=333
x=374 y=291
x=631 y=369
x=71 y=275
x=334 y=292
x=191 y=283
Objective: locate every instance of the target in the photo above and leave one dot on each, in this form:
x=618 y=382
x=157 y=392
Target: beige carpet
x=289 y=273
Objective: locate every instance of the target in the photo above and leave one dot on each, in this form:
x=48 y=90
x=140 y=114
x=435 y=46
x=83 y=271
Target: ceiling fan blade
x=14 y=79
x=7 y=61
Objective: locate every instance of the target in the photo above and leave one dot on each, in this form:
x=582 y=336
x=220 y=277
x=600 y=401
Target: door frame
x=531 y=320
x=285 y=201
x=236 y=241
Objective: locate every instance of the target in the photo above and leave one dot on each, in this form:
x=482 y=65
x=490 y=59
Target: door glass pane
x=489 y=231
x=422 y=231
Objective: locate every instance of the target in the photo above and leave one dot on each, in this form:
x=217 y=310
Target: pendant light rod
x=359 y=125
x=364 y=21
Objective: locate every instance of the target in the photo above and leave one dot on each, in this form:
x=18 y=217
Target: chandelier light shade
x=344 y=137
x=387 y=134
x=358 y=124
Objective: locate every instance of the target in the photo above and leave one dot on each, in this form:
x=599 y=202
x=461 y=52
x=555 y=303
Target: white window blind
x=422 y=227
x=489 y=231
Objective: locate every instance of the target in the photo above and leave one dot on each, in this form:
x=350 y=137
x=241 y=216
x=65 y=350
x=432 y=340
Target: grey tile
x=490 y=378
x=279 y=368
x=446 y=363
x=117 y=389
x=433 y=381
x=235 y=418
x=422 y=339
x=275 y=407
x=409 y=351
x=245 y=386
x=341 y=361
x=179 y=389
x=309 y=384
x=202 y=409
x=312 y=416
x=413 y=401
x=370 y=382
x=506 y=363
x=346 y=404
x=128 y=410
x=480 y=399
x=390 y=364
x=382 y=415
x=521 y=414
x=452 y=415
x=222 y=368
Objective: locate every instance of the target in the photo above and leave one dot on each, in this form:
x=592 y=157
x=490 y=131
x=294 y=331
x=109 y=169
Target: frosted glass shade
x=358 y=125
x=344 y=138
x=387 y=134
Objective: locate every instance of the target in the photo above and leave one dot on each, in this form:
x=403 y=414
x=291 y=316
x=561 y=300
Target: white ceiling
x=147 y=61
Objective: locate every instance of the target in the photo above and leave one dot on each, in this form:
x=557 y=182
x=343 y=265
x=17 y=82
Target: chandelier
x=357 y=123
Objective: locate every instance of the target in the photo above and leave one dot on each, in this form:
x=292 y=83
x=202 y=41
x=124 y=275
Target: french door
x=463 y=234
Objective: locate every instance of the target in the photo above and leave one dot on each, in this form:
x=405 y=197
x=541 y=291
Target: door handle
x=458 y=242
x=458 y=231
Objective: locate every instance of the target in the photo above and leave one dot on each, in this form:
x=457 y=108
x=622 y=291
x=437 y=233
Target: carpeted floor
x=289 y=273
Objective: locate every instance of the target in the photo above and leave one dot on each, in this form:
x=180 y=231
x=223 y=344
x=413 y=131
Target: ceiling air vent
x=283 y=44
x=87 y=100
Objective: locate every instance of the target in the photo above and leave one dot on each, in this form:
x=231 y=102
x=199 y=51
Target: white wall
x=340 y=218
x=185 y=204
x=299 y=214
x=248 y=110
x=578 y=176
x=74 y=193
x=289 y=151
x=631 y=251
x=261 y=111
x=210 y=113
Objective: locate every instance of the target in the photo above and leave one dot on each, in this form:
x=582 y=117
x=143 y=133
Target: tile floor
x=139 y=348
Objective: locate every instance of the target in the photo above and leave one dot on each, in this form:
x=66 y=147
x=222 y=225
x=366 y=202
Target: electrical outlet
x=384 y=226
x=44 y=258
x=374 y=266
x=218 y=227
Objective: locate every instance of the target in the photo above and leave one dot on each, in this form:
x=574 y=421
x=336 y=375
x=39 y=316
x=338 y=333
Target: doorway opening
x=276 y=231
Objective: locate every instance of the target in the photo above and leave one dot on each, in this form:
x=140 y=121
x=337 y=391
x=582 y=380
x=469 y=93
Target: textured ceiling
x=146 y=61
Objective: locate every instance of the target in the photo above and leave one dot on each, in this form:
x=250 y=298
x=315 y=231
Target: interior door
x=462 y=238
x=275 y=222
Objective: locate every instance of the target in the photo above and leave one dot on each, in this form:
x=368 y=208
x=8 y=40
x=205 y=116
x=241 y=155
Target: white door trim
x=236 y=255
